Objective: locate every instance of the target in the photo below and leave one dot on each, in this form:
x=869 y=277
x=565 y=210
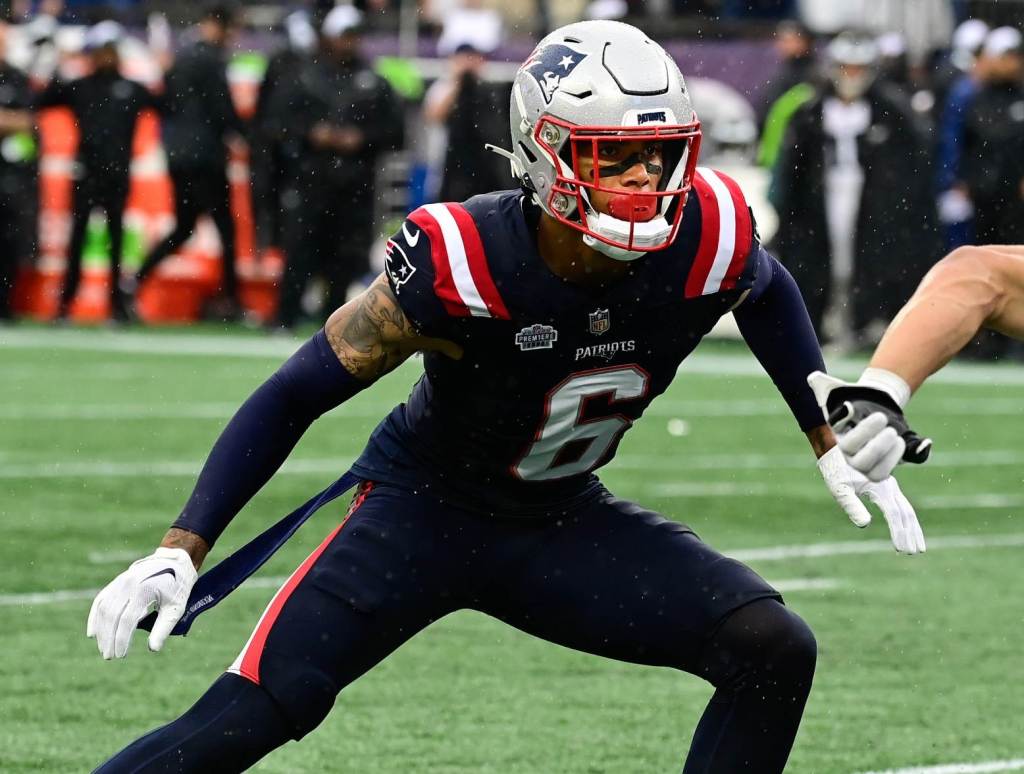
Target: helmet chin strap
x=646 y=233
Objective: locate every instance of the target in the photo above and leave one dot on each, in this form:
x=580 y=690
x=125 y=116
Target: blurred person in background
x=339 y=118
x=270 y=165
x=106 y=106
x=18 y=156
x=795 y=47
x=993 y=150
x=992 y=163
x=950 y=66
x=853 y=193
x=472 y=114
x=955 y=209
x=757 y=9
x=199 y=119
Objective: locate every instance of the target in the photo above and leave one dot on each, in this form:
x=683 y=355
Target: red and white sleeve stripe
x=462 y=279
x=726 y=234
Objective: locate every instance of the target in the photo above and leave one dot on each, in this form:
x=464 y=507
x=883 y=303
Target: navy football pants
x=610 y=578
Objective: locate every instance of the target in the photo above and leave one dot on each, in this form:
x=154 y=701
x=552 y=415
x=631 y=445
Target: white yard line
x=683 y=489
x=96 y=340
x=112 y=557
x=963 y=373
x=674 y=463
x=709 y=364
x=165 y=468
x=850 y=547
x=685 y=409
x=977 y=501
x=74 y=595
x=153 y=411
x=681 y=463
x=664 y=409
x=785 y=586
x=789 y=585
x=770 y=553
x=984 y=767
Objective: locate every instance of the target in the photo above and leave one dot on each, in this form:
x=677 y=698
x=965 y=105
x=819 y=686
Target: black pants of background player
x=16 y=225
x=198 y=191
x=608 y=578
x=326 y=232
x=109 y=193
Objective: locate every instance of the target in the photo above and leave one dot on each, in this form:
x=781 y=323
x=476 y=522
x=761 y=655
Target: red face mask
x=680 y=144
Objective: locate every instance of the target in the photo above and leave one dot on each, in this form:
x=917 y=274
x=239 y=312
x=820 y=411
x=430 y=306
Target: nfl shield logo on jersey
x=600 y=321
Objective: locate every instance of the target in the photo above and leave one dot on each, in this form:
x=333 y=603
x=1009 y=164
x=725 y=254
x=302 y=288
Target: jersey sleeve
x=438 y=271
x=727 y=254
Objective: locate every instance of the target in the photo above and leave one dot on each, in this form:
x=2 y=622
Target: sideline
x=985 y=767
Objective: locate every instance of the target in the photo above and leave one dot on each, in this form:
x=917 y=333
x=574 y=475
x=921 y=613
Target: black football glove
x=873 y=432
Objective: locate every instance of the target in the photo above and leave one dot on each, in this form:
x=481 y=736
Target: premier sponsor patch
x=536 y=336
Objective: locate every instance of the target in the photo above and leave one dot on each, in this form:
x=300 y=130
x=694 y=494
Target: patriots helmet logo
x=550 y=65
x=397 y=264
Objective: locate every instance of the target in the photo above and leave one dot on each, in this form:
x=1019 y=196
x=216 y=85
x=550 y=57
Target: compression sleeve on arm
x=775 y=324
x=263 y=433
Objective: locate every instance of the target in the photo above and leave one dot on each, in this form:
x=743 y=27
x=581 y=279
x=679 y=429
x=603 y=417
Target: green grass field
x=920 y=658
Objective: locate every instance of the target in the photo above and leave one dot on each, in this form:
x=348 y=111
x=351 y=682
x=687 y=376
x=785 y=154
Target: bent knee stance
x=761 y=644
x=761 y=662
x=233 y=725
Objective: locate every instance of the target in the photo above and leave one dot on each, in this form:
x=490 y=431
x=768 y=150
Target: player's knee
x=763 y=640
x=791 y=648
x=305 y=695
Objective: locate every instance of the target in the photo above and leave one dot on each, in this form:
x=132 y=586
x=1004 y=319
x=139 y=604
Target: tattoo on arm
x=192 y=543
x=370 y=334
x=821 y=438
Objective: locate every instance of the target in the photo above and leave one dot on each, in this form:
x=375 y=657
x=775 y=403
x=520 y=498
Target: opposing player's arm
x=970 y=289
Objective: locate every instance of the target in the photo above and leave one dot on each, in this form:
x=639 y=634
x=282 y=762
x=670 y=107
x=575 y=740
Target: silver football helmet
x=591 y=83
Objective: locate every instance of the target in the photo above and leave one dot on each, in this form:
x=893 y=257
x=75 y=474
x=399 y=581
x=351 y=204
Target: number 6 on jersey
x=564 y=424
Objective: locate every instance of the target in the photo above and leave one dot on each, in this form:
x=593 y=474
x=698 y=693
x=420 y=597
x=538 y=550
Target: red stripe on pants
x=250 y=667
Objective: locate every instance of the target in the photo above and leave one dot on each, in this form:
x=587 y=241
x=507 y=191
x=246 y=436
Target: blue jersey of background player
x=549 y=319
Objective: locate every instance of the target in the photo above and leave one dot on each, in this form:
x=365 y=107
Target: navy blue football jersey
x=553 y=374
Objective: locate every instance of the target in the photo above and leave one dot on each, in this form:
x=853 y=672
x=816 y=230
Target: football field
x=920 y=659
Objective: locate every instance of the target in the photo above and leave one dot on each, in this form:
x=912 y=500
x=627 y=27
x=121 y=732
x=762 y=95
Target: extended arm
x=776 y=326
x=361 y=341
x=970 y=289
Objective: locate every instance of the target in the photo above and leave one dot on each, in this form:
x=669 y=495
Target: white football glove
x=848 y=485
x=162 y=581
x=868 y=419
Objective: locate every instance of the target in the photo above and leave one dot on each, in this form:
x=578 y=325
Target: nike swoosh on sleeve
x=410 y=238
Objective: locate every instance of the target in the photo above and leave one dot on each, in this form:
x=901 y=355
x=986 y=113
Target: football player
x=970 y=289
x=549 y=317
